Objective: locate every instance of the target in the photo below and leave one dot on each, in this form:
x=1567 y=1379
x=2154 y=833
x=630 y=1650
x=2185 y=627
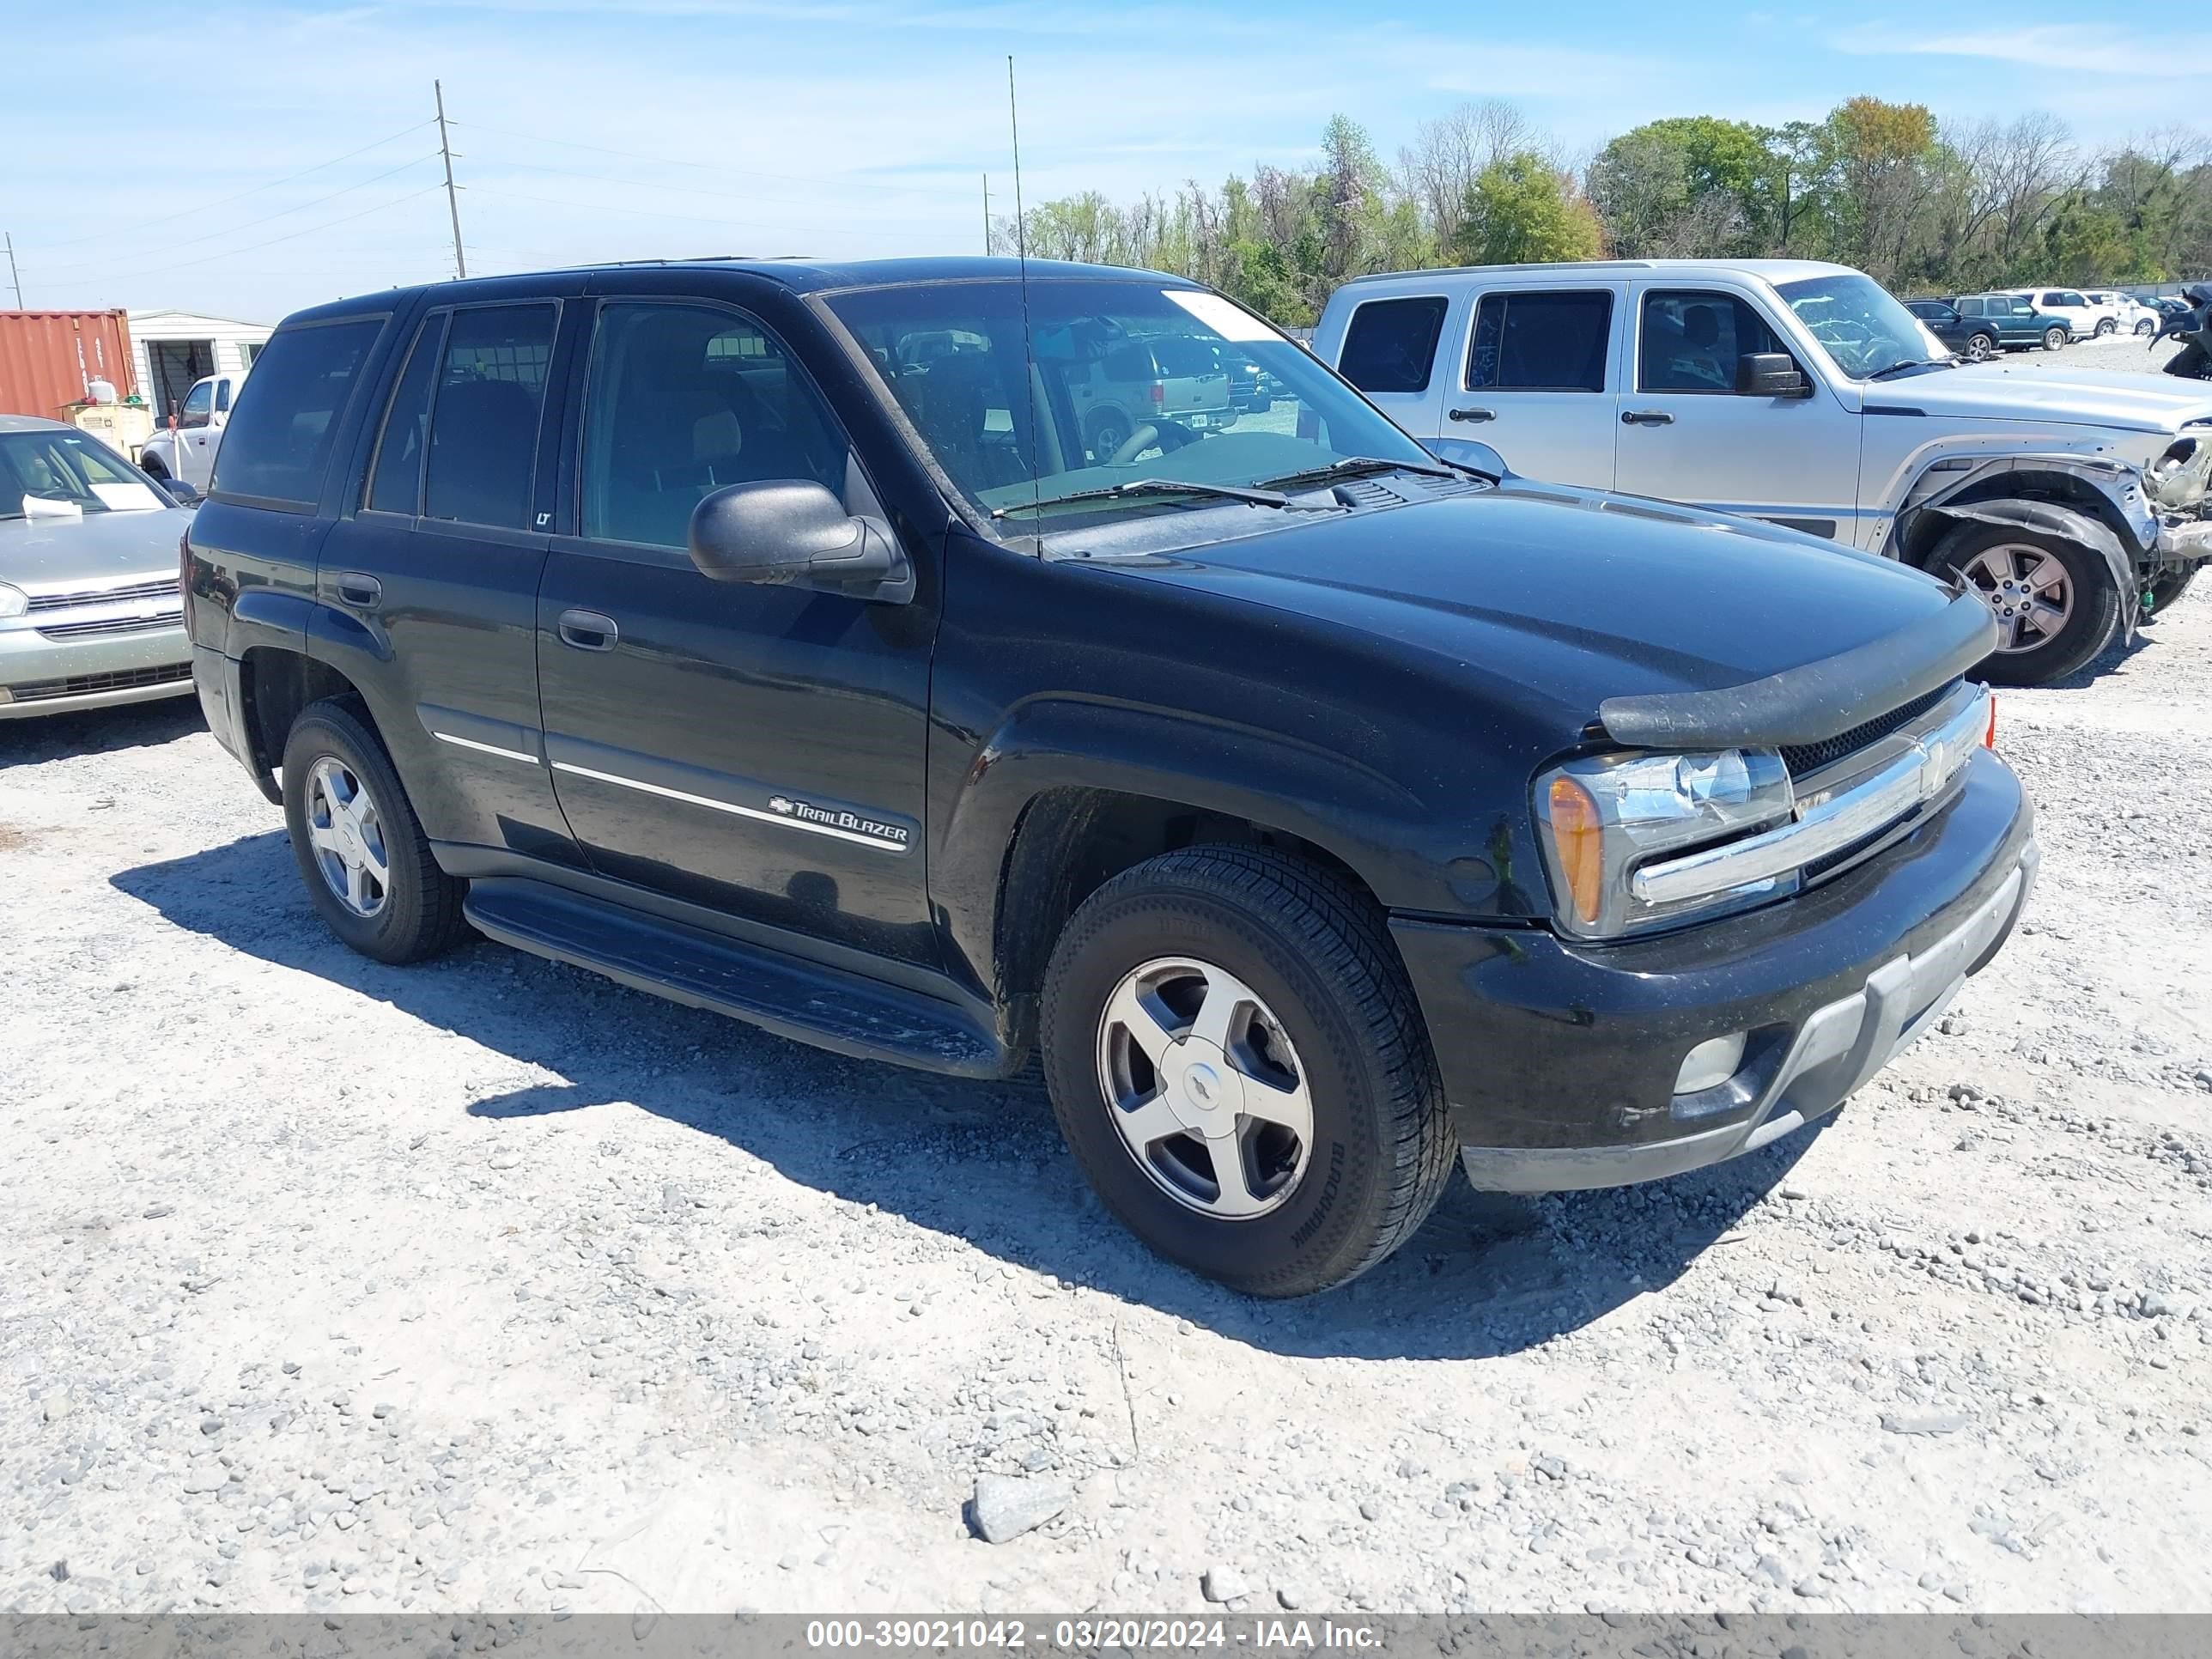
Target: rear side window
x=483 y=423
x=395 y=481
x=1970 y=308
x=1389 y=345
x=1541 y=342
x=279 y=437
x=1691 y=338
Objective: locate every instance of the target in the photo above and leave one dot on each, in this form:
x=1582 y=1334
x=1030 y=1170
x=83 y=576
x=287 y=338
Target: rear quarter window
x=1391 y=345
x=278 y=440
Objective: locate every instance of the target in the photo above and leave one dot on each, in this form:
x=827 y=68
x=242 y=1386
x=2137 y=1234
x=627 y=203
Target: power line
x=716 y=168
x=291 y=236
x=505 y=194
x=679 y=189
x=254 y=190
x=232 y=230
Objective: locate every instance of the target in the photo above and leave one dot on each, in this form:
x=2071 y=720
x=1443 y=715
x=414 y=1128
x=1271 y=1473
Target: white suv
x=2133 y=316
x=1805 y=395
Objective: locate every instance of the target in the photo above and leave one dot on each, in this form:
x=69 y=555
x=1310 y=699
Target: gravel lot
x=489 y=1285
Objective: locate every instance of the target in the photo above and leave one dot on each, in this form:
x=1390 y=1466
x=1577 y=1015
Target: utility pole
x=16 y=277
x=452 y=201
x=986 y=215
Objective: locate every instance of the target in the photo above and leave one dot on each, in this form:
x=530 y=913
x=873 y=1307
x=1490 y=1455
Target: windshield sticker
x=1229 y=321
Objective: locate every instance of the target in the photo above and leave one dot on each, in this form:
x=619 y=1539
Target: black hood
x=1561 y=600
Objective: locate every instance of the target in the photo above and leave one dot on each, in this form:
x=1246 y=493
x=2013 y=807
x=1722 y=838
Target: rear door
x=431 y=581
x=1685 y=436
x=759 y=751
x=1535 y=379
x=1391 y=351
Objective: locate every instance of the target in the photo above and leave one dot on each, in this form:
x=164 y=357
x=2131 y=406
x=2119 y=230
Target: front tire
x=1238 y=1064
x=152 y=467
x=360 y=847
x=2054 y=339
x=2056 y=604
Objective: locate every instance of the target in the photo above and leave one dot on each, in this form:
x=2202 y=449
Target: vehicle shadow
x=980 y=1162
x=97 y=731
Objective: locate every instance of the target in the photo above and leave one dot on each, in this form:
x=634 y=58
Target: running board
x=802 y=1001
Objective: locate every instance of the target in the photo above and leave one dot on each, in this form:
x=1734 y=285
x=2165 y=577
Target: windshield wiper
x=1913 y=362
x=1358 y=466
x=1158 y=487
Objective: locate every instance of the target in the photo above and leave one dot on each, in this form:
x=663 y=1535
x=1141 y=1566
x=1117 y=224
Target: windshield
x=65 y=471
x=1860 y=324
x=1132 y=381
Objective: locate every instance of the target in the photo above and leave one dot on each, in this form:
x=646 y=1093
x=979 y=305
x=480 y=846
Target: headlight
x=13 y=602
x=1605 y=815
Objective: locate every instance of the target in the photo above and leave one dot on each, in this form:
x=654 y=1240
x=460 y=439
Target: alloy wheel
x=1205 y=1089
x=1980 y=348
x=347 y=833
x=2028 y=589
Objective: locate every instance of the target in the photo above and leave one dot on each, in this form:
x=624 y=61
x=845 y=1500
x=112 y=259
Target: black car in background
x=770 y=638
x=1975 y=340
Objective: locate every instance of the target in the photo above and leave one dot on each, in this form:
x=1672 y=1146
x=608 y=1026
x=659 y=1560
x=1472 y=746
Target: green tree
x=1522 y=209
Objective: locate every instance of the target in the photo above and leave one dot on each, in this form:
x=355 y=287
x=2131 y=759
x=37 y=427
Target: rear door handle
x=1646 y=417
x=587 y=631
x=359 y=591
x=1474 y=414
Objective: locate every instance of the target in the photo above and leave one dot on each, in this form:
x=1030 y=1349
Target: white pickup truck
x=188 y=451
x=1804 y=394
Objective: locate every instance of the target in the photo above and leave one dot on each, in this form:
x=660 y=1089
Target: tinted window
x=1541 y=343
x=222 y=397
x=1970 y=308
x=1691 y=340
x=483 y=424
x=396 y=479
x=1389 y=344
x=686 y=400
x=279 y=438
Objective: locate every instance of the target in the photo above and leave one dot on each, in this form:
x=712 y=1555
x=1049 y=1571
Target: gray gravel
x=487 y=1284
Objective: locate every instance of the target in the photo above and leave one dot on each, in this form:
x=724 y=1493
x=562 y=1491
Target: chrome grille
x=105 y=625
x=1804 y=759
x=165 y=589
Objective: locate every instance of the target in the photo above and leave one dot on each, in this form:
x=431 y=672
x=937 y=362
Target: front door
x=196 y=435
x=1685 y=436
x=1532 y=382
x=438 y=568
x=756 y=750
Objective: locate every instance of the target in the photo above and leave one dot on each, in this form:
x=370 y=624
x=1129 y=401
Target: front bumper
x=2182 y=543
x=40 y=676
x=1560 y=1060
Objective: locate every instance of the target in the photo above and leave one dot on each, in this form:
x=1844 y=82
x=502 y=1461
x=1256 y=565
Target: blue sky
x=248 y=159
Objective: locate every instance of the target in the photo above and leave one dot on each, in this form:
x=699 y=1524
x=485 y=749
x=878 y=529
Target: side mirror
x=793 y=533
x=1770 y=375
x=180 y=492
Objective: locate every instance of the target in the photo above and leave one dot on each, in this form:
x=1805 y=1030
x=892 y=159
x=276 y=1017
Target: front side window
x=279 y=436
x=1541 y=342
x=1390 y=344
x=66 y=469
x=1086 y=385
x=687 y=399
x=1861 y=327
x=483 y=451
x=1691 y=340
x=197 y=402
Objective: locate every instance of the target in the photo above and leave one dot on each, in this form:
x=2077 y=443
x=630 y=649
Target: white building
x=170 y=349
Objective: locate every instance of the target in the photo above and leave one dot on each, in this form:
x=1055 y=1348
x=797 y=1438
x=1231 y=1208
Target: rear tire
x=1980 y=348
x=2106 y=326
x=1998 y=561
x=411 y=909
x=2054 y=339
x=1327 y=1014
x=2148 y=325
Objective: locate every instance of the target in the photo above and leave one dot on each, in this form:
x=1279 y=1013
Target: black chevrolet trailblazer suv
x=765 y=636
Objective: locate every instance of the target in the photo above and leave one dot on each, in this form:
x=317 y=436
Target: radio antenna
x=1031 y=382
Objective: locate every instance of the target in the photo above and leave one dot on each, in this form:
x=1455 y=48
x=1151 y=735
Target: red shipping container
x=48 y=356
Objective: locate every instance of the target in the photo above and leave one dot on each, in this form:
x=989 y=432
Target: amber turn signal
x=1578 y=836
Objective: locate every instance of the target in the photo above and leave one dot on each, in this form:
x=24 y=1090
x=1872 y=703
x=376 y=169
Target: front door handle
x=1474 y=414
x=359 y=591
x=587 y=631
x=1646 y=417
